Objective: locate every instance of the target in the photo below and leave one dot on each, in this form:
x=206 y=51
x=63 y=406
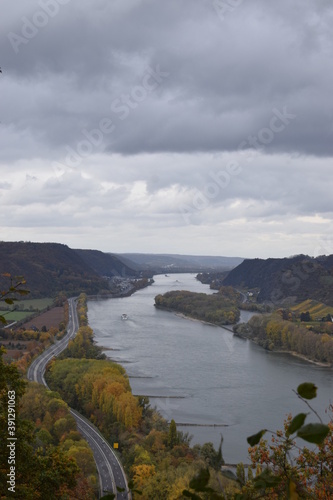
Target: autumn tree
x=212 y=457
x=42 y=469
x=282 y=469
x=286 y=469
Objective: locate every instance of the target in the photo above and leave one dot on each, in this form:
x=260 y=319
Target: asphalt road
x=110 y=471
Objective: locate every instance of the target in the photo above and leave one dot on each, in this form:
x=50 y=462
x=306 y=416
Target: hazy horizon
x=168 y=127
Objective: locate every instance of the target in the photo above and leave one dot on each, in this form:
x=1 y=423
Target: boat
x=124 y=316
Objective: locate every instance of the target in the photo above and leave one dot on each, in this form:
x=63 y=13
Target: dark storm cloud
x=225 y=76
x=177 y=123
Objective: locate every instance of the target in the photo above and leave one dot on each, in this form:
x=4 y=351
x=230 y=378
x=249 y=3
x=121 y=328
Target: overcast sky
x=168 y=126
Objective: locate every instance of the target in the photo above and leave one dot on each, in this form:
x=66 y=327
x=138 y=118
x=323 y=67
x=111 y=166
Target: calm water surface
x=201 y=374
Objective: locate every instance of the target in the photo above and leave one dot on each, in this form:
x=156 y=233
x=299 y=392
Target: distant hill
x=106 y=264
x=161 y=263
x=49 y=268
x=300 y=276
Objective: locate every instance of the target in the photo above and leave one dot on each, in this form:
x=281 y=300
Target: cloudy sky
x=178 y=126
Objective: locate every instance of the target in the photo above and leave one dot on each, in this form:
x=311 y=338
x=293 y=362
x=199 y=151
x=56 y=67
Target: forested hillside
x=106 y=264
x=51 y=460
x=167 y=263
x=49 y=268
x=301 y=277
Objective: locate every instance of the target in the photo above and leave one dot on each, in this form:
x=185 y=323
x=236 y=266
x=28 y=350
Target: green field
x=40 y=304
x=15 y=315
x=316 y=309
x=35 y=305
x=22 y=309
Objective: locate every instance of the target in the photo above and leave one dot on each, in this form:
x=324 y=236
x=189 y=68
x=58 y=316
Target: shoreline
x=304 y=358
x=121 y=294
x=224 y=327
x=295 y=354
x=228 y=457
x=184 y=316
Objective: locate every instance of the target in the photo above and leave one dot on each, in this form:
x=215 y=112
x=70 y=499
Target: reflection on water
x=221 y=379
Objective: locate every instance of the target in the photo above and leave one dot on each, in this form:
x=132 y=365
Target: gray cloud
x=123 y=111
x=225 y=77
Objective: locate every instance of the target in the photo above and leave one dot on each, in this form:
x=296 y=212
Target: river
x=201 y=374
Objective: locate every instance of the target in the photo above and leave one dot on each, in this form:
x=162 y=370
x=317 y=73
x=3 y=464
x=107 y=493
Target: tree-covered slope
x=49 y=268
x=106 y=264
x=301 y=277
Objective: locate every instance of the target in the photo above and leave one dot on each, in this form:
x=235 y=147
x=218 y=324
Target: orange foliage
x=109 y=392
x=141 y=473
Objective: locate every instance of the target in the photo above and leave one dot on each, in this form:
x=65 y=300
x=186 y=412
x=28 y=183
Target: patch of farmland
x=51 y=318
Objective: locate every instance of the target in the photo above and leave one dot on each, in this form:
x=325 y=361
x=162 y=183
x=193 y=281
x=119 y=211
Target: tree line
x=219 y=308
x=51 y=458
x=275 y=333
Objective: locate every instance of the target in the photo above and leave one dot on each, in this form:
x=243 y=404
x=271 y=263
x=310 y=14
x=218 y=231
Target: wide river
x=201 y=374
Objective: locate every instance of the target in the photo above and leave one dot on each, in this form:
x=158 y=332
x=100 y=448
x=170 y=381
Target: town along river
x=200 y=374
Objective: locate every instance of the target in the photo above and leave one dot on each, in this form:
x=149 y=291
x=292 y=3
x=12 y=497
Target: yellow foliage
x=274 y=331
x=106 y=388
x=142 y=456
x=155 y=441
x=181 y=483
x=142 y=473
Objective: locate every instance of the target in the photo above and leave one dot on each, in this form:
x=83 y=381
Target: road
x=110 y=471
x=244 y=296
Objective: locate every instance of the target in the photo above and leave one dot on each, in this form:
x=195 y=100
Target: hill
x=106 y=264
x=49 y=268
x=300 y=277
x=167 y=263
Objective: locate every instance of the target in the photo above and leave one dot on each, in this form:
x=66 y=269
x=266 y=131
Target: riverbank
x=282 y=351
x=192 y=318
x=221 y=379
x=255 y=341
x=181 y=315
x=304 y=358
x=130 y=289
x=184 y=316
x=134 y=415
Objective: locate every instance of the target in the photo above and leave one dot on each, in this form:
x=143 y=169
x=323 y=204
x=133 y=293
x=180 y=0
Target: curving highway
x=110 y=471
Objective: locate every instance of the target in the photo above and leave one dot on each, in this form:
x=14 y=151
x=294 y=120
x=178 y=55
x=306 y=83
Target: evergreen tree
x=173 y=435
